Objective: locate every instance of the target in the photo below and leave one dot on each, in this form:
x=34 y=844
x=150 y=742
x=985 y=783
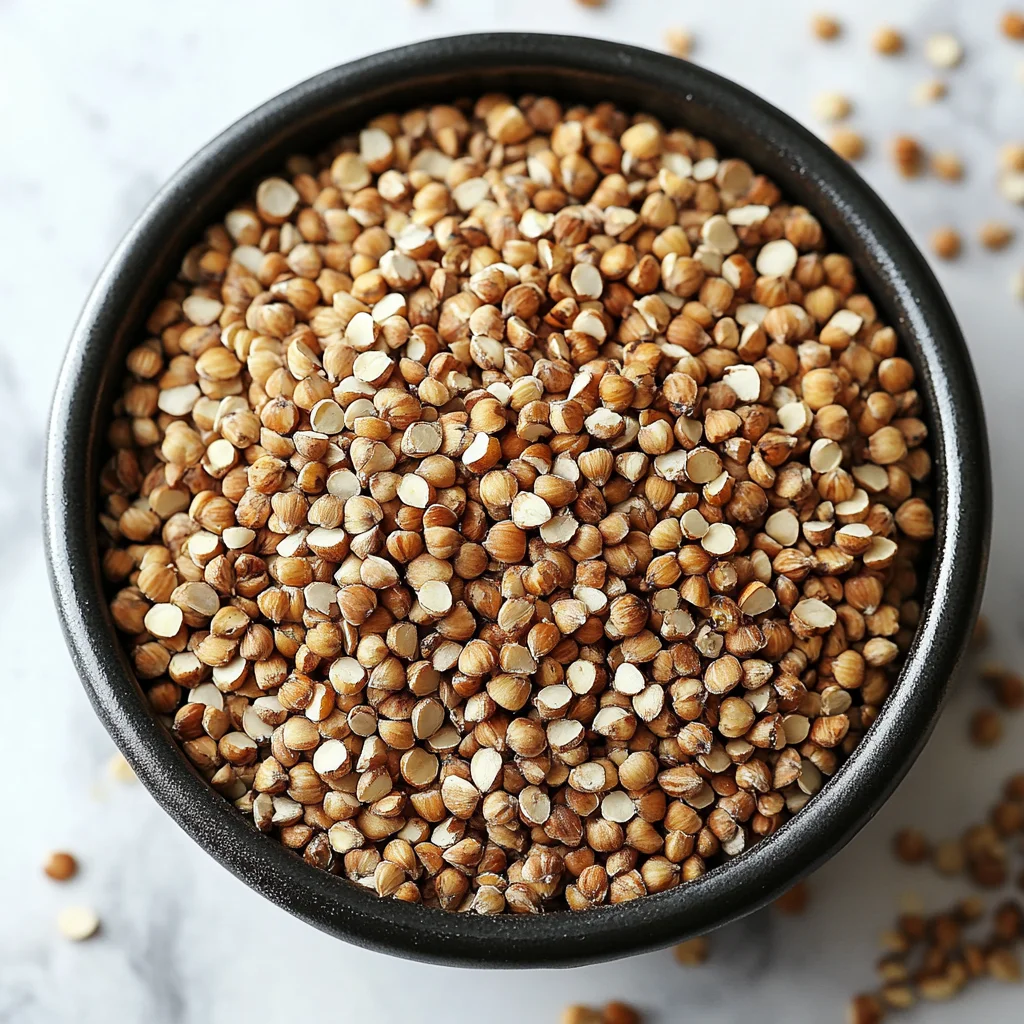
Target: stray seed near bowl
x=578 y=1014
x=887 y=41
x=1011 y=156
x=847 y=143
x=907 y=155
x=1007 y=687
x=831 y=106
x=947 y=166
x=1011 y=186
x=948 y=857
x=794 y=901
x=612 y=1013
x=825 y=27
x=986 y=728
x=620 y=1013
x=865 y=1009
x=692 y=952
x=77 y=923
x=119 y=769
x=1011 y=24
x=60 y=866
x=943 y=50
x=910 y=846
x=981 y=633
x=678 y=42
x=946 y=243
x=1010 y=691
x=995 y=235
x=929 y=91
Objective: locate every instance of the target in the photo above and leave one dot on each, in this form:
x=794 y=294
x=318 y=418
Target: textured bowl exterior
x=895 y=275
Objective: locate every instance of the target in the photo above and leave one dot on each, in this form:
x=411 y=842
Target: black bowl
x=896 y=276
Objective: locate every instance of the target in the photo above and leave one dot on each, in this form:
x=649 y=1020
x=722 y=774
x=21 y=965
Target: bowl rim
x=929 y=331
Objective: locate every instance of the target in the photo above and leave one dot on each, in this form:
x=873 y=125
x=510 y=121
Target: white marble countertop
x=99 y=103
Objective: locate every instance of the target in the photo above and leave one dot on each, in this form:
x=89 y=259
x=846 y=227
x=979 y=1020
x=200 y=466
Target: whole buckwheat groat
x=516 y=506
x=995 y=235
x=60 y=866
x=847 y=143
x=946 y=243
x=888 y=41
x=1012 y=25
x=825 y=27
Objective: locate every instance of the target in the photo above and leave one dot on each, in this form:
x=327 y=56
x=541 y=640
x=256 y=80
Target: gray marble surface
x=99 y=103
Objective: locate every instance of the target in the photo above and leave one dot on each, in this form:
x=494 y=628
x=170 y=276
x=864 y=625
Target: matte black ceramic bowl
x=681 y=94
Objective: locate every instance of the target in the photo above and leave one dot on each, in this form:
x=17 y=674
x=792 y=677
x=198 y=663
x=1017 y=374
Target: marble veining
x=100 y=103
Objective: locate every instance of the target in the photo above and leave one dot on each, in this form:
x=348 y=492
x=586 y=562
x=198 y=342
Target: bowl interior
x=341 y=100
